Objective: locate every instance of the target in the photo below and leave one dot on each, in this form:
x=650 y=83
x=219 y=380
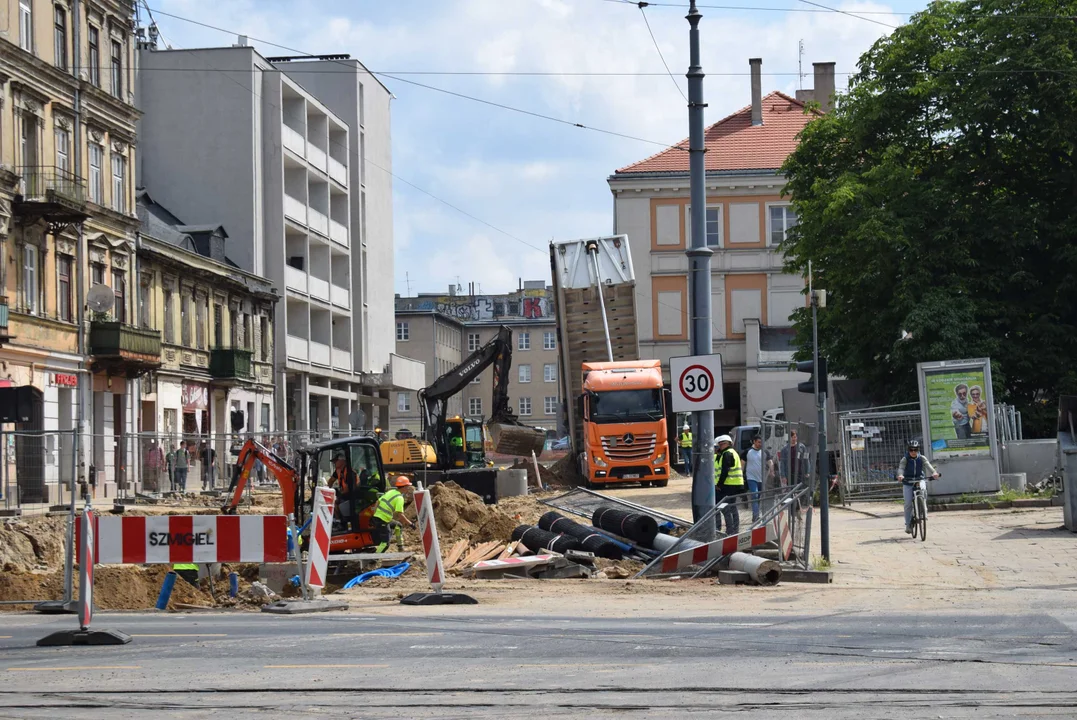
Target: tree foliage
x=940 y=197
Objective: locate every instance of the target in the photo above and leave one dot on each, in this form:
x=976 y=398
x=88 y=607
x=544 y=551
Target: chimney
x=241 y=41
x=757 y=90
x=824 y=85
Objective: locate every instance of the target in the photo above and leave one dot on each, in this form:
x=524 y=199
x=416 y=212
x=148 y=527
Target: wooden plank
x=455 y=552
x=492 y=553
x=509 y=550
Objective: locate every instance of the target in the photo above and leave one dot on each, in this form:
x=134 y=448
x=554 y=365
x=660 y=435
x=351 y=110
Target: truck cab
x=624 y=431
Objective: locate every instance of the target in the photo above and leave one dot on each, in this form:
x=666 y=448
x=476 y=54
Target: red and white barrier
x=188 y=539
x=784 y=534
x=719 y=548
x=512 y=562
x=86 y=571
x=320 y=533
x=428 y=531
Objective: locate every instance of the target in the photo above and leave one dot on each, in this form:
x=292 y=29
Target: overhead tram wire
x=661 y=57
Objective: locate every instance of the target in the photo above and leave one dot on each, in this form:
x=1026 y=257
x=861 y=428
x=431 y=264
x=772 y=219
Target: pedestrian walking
x=793 y=462
x=154 y=464
x=757 y=463
x=728 y=482
x=182 y=464
x=686 y=448
x=209 y=468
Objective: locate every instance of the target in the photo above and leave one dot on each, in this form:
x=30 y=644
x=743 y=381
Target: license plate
x=632 y=476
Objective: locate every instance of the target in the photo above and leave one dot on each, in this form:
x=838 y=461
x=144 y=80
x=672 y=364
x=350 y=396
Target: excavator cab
x=455 y=442
x=475 y=443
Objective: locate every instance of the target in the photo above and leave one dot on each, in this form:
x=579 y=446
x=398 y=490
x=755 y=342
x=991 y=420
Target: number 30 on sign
x=697 y=383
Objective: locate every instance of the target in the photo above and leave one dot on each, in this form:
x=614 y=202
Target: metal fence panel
x=37 y=471
x=872 y=443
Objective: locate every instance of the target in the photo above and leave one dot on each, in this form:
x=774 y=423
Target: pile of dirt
x=461 y=514
x=565 y=473
x=34 y=543
x=547 y=476
x=525 y=509
x=116 y=587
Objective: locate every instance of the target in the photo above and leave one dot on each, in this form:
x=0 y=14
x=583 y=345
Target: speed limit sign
x=697 y=383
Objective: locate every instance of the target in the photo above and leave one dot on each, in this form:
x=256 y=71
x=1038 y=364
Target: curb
x=860 y=512
x=988 y=505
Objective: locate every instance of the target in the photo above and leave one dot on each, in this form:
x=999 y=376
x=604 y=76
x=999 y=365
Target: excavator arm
x=284 y=473
x=509 y=435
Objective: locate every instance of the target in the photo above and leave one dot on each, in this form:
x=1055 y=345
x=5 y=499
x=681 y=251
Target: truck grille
x=629 y=446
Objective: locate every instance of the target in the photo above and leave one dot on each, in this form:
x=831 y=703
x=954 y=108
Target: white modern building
x=227 y=135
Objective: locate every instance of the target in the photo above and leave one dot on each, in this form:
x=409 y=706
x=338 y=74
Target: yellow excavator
x=455 y=447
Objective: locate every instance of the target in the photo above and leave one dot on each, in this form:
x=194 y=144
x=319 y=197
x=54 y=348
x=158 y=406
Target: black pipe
x=590 y=539
x=641 y=529
x=537 y=539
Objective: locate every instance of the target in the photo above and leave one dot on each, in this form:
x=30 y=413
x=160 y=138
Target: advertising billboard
x=958 y=408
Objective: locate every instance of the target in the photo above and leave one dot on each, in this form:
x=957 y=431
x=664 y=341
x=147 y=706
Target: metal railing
x=44 y=183
x=872 y=443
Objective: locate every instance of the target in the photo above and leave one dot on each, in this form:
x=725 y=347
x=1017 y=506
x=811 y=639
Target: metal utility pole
x=699 y=260
x=820 y=397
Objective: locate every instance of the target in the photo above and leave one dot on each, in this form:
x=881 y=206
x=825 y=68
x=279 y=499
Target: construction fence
x=38 y=471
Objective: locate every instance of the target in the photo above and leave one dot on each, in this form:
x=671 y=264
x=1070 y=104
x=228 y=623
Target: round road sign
x=696 y=383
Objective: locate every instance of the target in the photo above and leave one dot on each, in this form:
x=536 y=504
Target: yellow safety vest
x=185 y=566
x=686 y=439
x=736 y=473
x=389 y=505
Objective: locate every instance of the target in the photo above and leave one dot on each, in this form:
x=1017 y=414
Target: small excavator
x=454 y=448
x=315 y=462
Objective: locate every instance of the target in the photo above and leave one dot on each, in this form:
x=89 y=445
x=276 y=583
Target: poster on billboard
x=958 y=408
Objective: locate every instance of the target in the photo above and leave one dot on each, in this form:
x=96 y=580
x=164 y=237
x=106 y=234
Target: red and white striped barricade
x=189 y=539
x=435 y=572
x=321 y=531
x=701 y=554
x=523 y=565
x=783 y=532
x=84 y=635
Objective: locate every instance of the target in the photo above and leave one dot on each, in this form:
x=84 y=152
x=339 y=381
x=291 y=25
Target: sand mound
x=36 y=544
x=461 y=514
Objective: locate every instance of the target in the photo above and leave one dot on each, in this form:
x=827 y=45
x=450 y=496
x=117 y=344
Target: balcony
x=230 y=365
x=297 y=348
x=338 y=171
x=4 y=336
x=316 y=156
x=339 y=296
x=318 y=222
x=319 y=288
x=295 y=209
x=320 y=354
x=338 y=232
x=342 y=359
x=52 y=194
x=295 y=279
x=294 y=141
x=124 y=349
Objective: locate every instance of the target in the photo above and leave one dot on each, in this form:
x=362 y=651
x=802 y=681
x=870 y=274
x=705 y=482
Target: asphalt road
x=843 y=665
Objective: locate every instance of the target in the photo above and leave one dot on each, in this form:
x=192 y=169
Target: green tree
x=940 y=197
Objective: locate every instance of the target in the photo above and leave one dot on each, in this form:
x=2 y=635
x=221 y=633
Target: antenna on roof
x=800 y=65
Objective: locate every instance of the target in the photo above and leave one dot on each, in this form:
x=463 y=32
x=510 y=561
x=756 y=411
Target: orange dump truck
x=615 y=408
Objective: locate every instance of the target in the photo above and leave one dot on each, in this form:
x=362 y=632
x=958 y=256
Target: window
x=549 y=372
x=63 y=287
x=60 y=38
x=263 y=341
x=549 y=341
x=117 y=69
x=218 y=325
x=95 y=57
x=714 y=227
x=525 y=406
x=185 y=321
x=403 y=402
x=525 y=373
x=248 y=341
x=119 y=183
x=549 y=404
x=119 y=287
x=30 y=286
x=472 y=342
x=403 y=332
x=170 y=329
x=474 y=406
x=782 y=220
x=26 y=25
x=63 y=151
x=265 y=417
x=200 y=323
x=145 y=302
x=523 y=342
x=97 y=188
x=97 y=272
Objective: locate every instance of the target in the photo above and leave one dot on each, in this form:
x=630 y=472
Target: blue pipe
x=233 y=584
x=166 y=590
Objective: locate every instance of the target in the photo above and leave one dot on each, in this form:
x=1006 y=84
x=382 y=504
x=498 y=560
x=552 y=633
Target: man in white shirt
x=756 y=466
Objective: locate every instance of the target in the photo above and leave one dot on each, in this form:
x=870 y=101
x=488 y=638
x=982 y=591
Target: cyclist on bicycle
x=913 y=468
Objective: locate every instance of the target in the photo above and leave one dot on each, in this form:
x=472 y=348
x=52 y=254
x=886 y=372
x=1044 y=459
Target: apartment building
x=67 y=224
x=228 y=136
x=470 y=321
x=217 y=332
x=747 y=221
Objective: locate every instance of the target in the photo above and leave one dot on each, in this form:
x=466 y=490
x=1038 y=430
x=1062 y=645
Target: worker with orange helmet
x=390 y=509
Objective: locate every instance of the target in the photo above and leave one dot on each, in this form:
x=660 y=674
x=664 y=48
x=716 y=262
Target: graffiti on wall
x=527 y=304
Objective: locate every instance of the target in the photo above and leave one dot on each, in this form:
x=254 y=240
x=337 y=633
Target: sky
x=481 y=190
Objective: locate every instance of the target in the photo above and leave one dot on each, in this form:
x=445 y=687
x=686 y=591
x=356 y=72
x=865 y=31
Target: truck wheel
x=661 y=483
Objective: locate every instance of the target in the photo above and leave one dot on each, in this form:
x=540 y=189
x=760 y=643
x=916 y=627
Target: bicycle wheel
x=915 y=520
x=921 y=510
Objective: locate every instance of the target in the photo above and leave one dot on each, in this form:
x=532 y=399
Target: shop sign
x=194 y=396
x=65 y=380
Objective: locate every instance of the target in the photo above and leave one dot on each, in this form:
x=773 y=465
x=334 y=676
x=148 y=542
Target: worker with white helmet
x=728 y=482
x=686 y=447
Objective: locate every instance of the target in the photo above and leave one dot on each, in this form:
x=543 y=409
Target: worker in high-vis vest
x=686 y=448
x=390 y=508
x=728 y=482
x=187 y=571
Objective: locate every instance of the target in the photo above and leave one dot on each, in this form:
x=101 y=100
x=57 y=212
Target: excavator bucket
x=510 y=439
